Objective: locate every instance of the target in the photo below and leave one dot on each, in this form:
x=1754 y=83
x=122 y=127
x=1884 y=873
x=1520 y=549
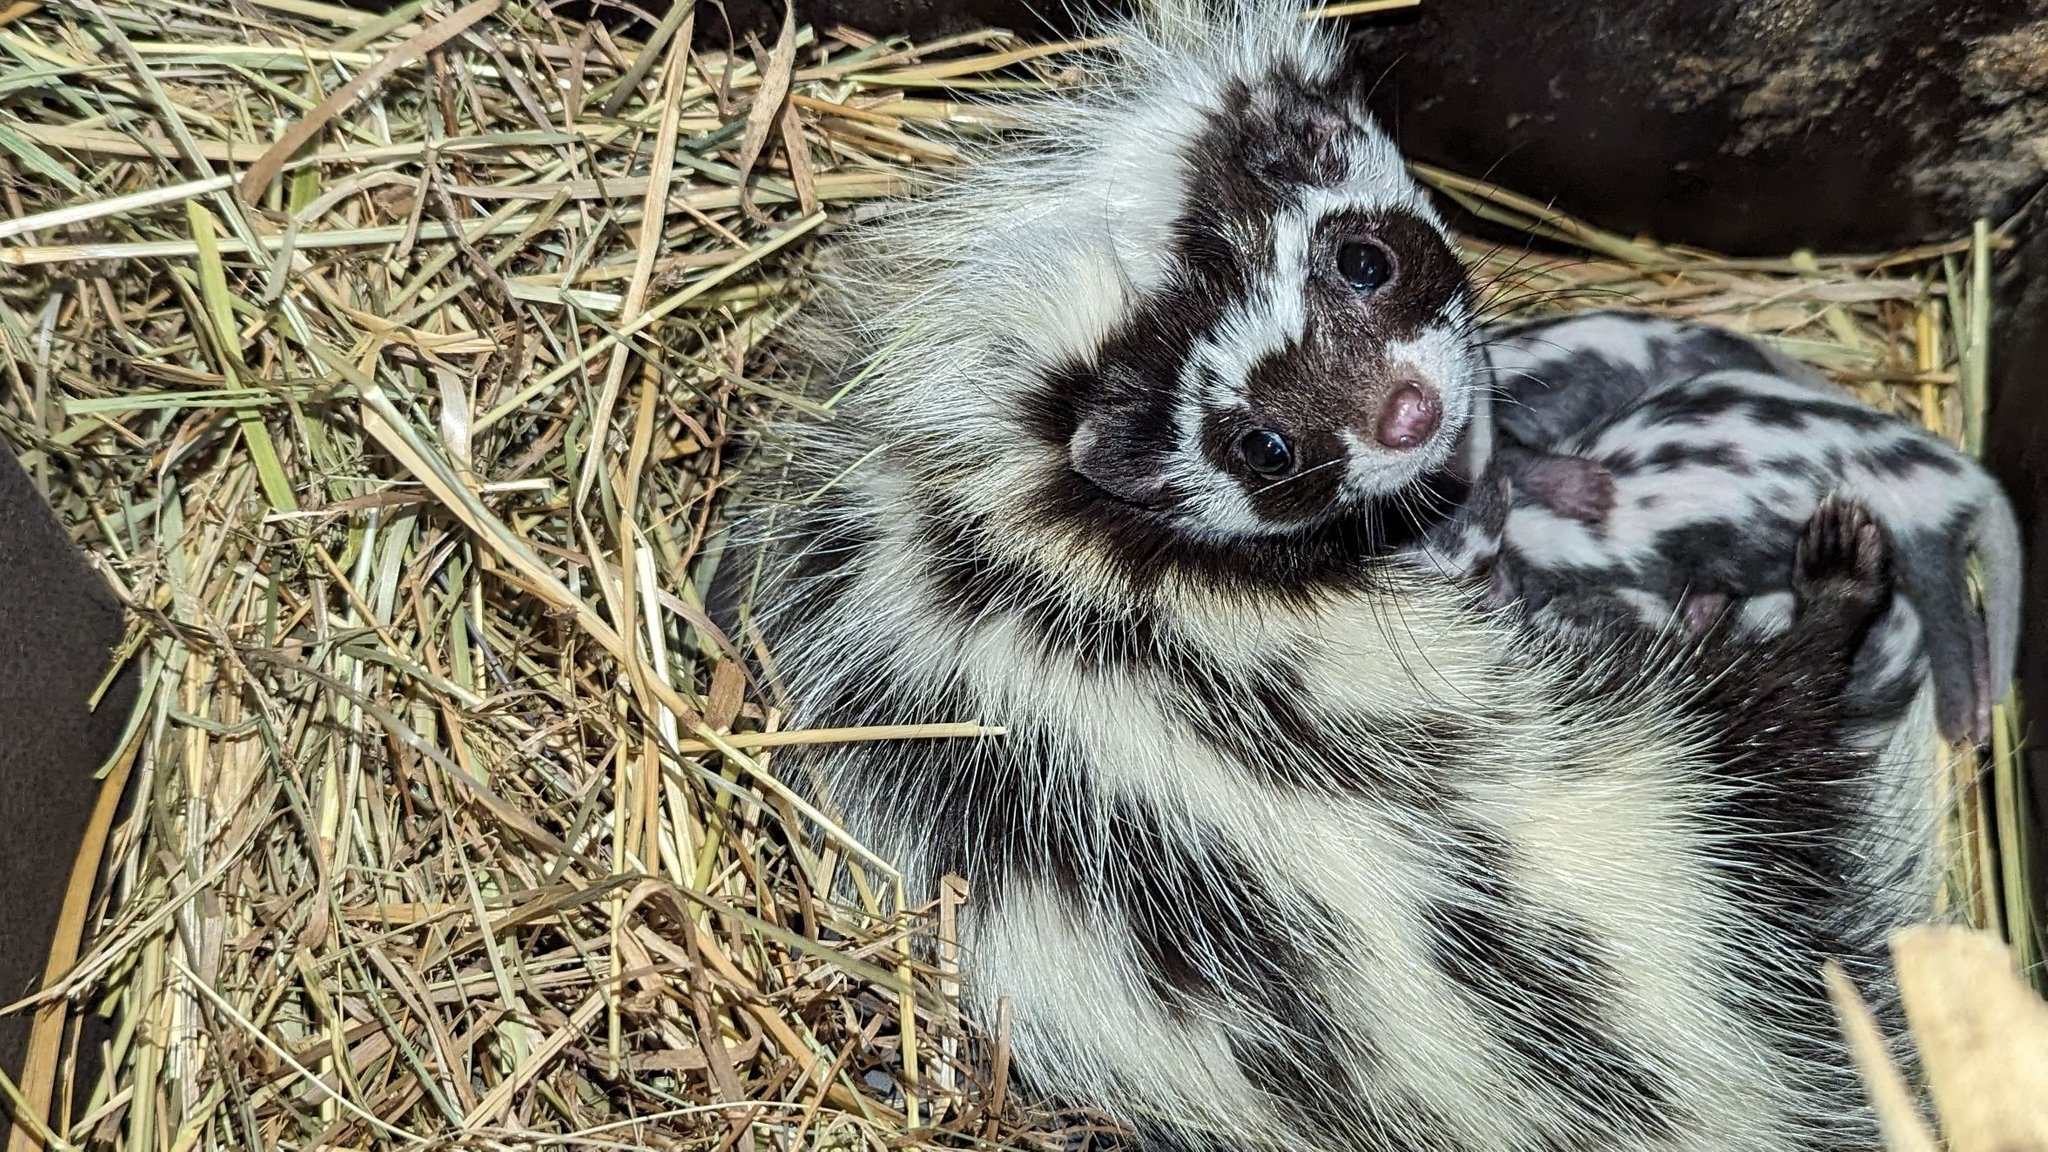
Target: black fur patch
x=1671 y=456
x=1543 y=984
x=1429 y=282
x=1708 y=397
x=1215 y=938
x=1260 y=718
x=991 y=811
x=1288 y=135
x=975 y=581
x=1909 y=453
x=1721 y=556
x=1320 y=456
x=1263 y=720
x=1336 y=555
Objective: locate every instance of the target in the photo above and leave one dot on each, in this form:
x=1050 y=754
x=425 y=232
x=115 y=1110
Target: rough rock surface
x=1745 y=125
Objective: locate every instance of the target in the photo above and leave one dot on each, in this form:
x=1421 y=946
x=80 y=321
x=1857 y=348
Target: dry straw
x=393 y=367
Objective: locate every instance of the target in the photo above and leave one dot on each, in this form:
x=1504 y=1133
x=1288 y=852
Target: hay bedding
x=393 y=368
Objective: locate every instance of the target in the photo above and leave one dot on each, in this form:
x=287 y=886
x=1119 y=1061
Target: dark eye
x=1364 y=265
x=1267 y=452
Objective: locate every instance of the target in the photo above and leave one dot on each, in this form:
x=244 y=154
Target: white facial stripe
x=1275 y=318
x=1219 y=372
x=1214 y=495
x=1362 y=192
x=1294 y=233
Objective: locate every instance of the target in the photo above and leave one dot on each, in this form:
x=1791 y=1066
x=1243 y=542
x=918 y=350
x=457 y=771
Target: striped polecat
x=1667 y=469
x=1289 y=845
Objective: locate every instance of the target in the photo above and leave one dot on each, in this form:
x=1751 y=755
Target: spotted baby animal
x=1664 y=469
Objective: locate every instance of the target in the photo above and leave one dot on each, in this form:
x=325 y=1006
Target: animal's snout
x=1408 y=416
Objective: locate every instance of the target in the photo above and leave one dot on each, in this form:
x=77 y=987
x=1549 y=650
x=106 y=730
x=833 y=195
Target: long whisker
x=1284 y=481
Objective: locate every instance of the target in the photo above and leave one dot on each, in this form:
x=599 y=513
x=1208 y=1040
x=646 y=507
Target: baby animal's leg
x=1841 y=578
x=1570 y=486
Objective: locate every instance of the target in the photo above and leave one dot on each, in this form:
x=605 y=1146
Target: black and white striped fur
x=1288 y=846
x=1667 y=469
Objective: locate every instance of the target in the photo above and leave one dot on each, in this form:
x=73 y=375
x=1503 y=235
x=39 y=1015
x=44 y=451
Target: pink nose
x=1408 y=415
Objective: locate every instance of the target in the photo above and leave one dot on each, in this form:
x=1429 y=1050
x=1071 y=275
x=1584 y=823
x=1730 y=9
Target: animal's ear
x=1105 y=451
x=1293 y=138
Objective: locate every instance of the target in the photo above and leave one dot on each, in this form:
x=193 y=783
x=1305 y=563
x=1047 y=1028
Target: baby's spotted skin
x=1661 y=470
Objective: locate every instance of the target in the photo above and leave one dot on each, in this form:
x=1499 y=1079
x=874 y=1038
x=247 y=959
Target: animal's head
x=1285 y=339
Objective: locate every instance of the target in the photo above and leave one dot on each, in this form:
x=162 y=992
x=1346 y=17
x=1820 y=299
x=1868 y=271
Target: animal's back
x=1555 y=376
